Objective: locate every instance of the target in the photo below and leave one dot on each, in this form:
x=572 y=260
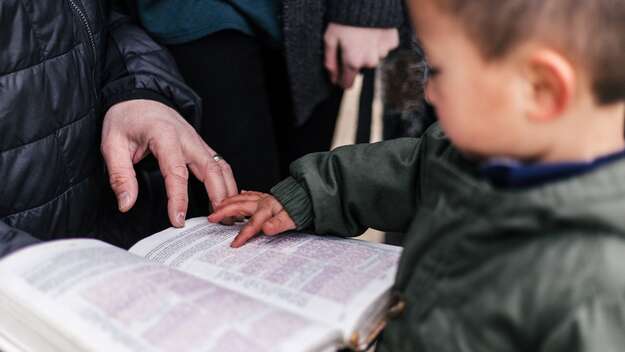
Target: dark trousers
x=247 y=110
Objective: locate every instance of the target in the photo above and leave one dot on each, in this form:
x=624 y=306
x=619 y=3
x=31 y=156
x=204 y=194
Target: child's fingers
x=254 y=192
x=238 y=198
x=278 y=224
x=222 y=219
x=253 y=227
x=238 y=209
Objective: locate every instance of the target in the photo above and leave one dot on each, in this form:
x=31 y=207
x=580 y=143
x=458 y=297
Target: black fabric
x=366 y=13
x=248 y=116
x=136 y=94
x=365 y=107
x=60 y=62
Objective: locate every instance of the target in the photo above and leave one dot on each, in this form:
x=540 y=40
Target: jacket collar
x=505 y=173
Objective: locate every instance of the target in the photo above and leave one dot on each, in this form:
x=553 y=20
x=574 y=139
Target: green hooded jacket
x=483 y=269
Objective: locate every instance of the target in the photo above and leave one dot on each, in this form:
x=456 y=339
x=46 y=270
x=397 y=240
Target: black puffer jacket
x=62 y=64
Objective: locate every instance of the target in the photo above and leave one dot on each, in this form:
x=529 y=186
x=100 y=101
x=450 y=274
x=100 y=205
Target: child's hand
x=267 y=214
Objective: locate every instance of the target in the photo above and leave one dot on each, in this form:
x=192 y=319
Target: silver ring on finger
x=217 y=157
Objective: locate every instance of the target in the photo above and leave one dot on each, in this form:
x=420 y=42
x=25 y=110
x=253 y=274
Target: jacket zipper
x=85 y=22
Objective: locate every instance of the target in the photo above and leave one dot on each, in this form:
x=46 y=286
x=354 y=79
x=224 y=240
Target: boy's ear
x=552 y=83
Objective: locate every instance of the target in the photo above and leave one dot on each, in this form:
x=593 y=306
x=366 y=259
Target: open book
x=187 y=290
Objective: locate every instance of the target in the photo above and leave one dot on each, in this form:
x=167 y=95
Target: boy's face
x=479 y=103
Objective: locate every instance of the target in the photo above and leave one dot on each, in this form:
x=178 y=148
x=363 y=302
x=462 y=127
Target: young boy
x=514 y=211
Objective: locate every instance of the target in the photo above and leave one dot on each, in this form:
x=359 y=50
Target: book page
x=104 y=298
x=6 y=345
x=332 y=280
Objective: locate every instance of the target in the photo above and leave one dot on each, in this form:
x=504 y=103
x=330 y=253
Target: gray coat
x=483 y=268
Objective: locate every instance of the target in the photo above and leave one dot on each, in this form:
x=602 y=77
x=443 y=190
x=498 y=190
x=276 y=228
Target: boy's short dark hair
x=590 y=32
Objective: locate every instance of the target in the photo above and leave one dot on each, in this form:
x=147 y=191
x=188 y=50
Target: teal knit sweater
x=175 y=22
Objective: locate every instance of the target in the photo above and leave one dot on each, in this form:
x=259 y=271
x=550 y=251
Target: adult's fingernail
x=180 y=218
x=124 y=201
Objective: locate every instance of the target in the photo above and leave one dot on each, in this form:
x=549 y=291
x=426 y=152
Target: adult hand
x=359 y=48
x=267 y=215
x=133 y=129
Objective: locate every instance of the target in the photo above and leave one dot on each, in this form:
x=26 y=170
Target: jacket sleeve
x=366 y=13
x=12 y=239
x=135 y=67
x=352 y=188
x=597 y=325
